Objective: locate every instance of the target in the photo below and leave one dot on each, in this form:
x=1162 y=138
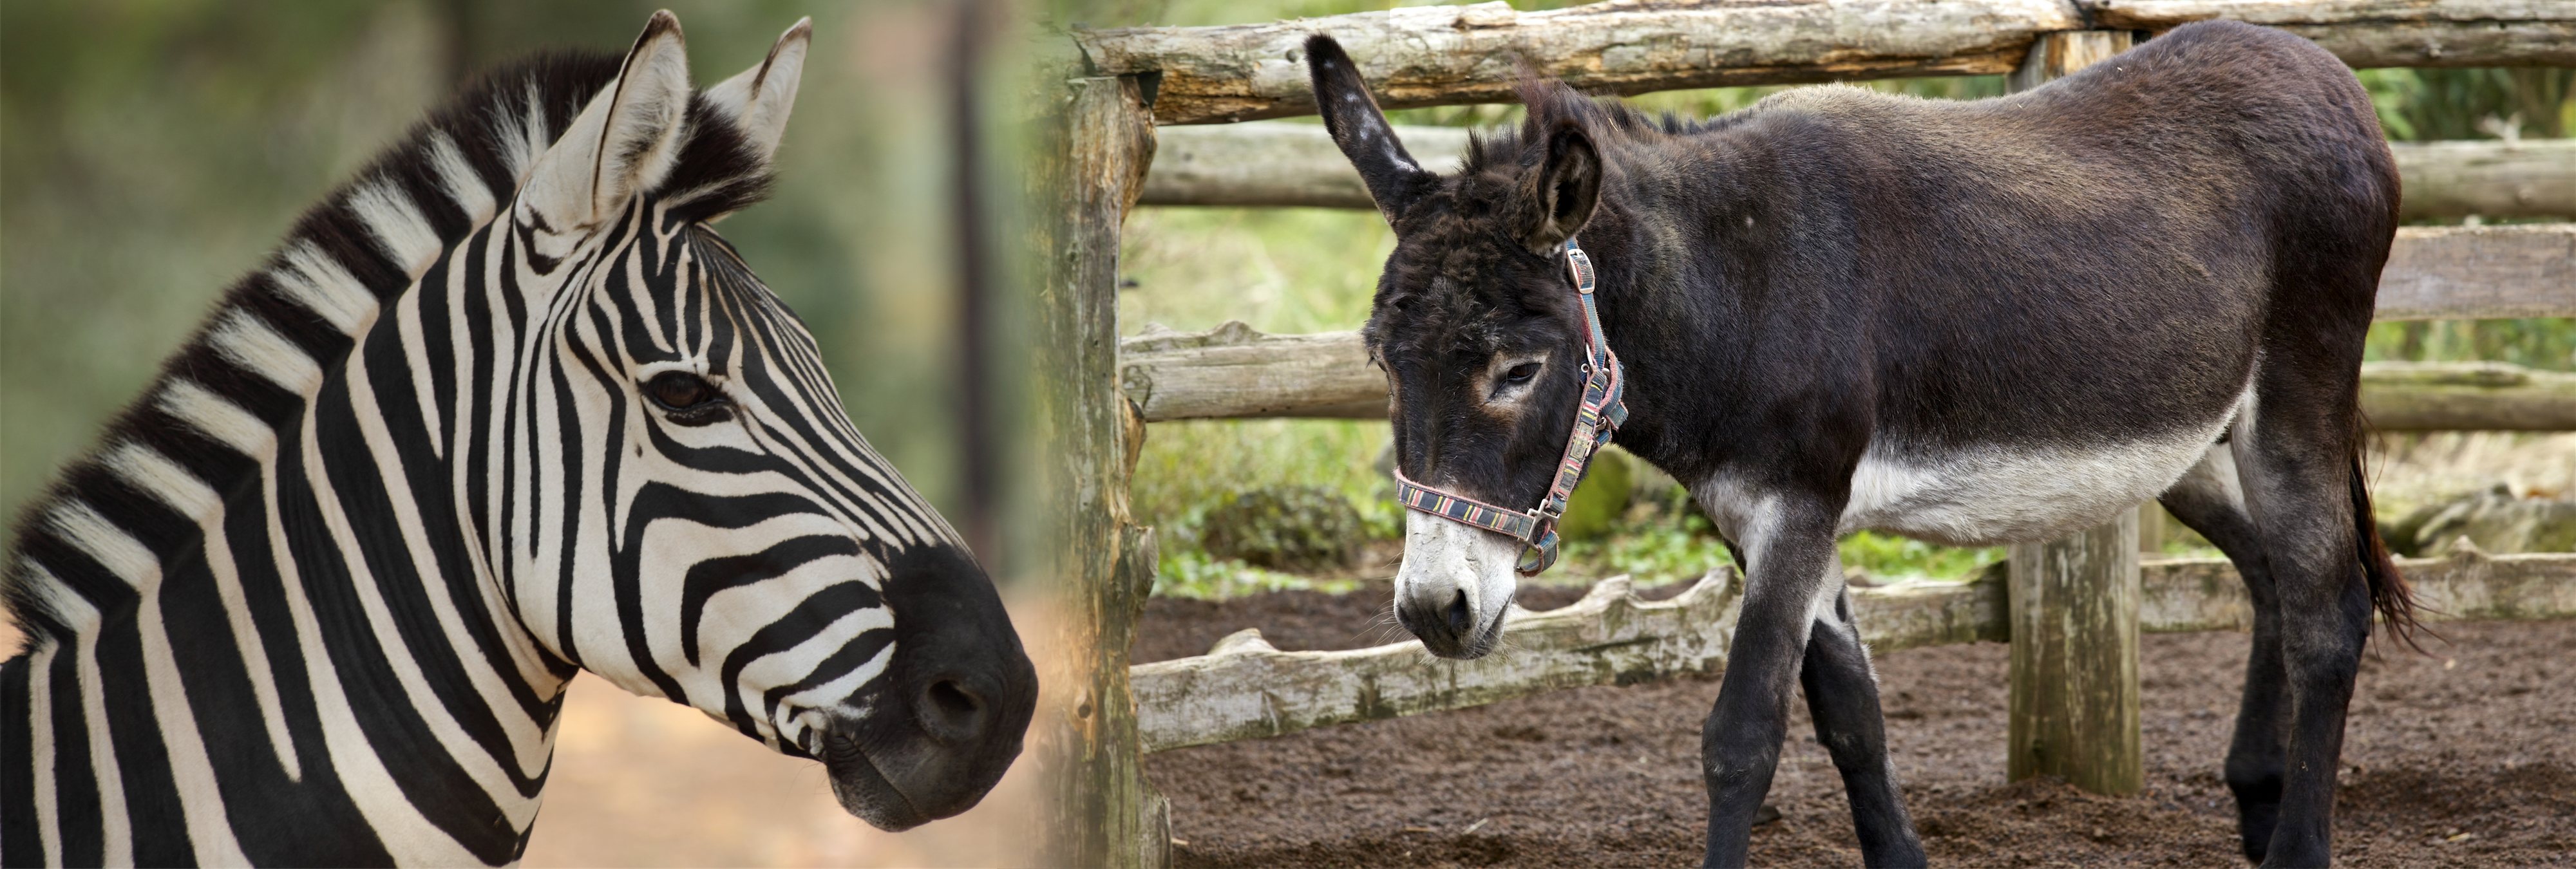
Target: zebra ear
x=758 y=100
x=623 y=143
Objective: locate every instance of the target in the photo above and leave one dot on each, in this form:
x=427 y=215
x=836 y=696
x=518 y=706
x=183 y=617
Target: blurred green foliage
x=152 y=151
x=2441 y=104
x=1306 y=270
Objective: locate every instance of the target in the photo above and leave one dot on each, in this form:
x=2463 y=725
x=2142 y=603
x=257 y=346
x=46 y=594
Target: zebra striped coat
x=501 y=408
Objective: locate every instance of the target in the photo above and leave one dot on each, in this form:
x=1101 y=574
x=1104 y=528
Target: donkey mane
x=211 y=414
x=1551 y=102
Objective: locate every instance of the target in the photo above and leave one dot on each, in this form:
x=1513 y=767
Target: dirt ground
x=2464 y=756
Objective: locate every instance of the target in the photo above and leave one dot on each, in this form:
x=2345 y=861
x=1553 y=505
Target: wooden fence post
x=1100 y=139
x=2153 y=529
x=2074 y=707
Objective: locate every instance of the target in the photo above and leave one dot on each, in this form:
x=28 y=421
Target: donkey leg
x=2296 y=472
x=2210 y=500
x=1842 y=696
x=1789 y=547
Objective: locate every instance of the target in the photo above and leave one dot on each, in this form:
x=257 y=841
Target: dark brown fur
x=2111 y=259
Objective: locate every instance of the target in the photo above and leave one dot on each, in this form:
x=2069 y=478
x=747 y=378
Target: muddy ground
x=2465 y=756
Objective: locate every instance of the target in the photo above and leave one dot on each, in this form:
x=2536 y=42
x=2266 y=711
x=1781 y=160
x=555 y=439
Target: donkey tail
x=2389 y=594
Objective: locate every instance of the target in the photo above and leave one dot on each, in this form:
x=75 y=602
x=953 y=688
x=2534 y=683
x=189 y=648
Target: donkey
x=1965 y=322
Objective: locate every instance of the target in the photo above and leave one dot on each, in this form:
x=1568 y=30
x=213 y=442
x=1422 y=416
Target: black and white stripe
x=315 y=596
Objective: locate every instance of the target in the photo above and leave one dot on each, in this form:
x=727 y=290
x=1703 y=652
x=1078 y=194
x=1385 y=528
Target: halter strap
x=1601 y=414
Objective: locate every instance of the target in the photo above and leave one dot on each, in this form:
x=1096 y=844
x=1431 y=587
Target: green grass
x=1192 y=573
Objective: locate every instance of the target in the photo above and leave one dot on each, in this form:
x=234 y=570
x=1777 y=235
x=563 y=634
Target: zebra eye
x=680 y=390
x=1520 y=374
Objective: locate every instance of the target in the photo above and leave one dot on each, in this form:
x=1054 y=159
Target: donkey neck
x=1655 y=306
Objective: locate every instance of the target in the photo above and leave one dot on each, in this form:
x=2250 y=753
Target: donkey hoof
x=2254 y=822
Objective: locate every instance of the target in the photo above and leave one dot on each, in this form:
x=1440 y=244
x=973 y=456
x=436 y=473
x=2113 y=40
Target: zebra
x=502 y=408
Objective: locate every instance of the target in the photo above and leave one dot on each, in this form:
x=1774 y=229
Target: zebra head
x=676 y=500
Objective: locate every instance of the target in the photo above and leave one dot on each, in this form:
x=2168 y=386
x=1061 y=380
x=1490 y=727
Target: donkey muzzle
x=1454 y=586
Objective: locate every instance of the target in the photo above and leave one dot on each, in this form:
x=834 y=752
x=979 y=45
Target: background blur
x=152 y=151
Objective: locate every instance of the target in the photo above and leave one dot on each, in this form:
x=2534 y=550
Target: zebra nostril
x=952 y=712
x=1459 y=621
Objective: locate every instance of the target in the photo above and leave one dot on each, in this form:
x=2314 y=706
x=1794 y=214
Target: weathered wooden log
x=1446 y=55
x=1286 y=163
x=2480 y=272
x=2378 y=33
x=2466 y=396
x=1244 y=689
x=1470 y=54
x=1234 y=372
x=2526 y=270
x=2530 y=178
x=1099 y=137
x=2073 y=708
x=1277 y=163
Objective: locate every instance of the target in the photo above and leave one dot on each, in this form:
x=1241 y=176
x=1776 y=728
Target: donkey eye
x=680 y=390
x=1521 y=373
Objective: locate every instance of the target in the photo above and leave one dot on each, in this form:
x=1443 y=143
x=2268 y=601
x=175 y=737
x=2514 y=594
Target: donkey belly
x=1993 y=493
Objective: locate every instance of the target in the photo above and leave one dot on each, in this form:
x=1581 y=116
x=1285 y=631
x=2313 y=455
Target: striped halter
x=1601 y=414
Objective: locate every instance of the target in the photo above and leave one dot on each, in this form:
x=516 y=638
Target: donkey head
x=1480 y=336
x=685 y=508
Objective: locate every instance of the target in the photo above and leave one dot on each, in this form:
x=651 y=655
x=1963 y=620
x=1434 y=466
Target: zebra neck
x=326 y=609
x=255 y=605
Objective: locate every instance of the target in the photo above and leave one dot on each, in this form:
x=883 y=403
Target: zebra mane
x=202 y=427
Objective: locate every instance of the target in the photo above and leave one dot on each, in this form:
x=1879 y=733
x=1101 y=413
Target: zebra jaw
x=861 y=787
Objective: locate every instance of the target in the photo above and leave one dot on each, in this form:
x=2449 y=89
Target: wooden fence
x=1101 y=143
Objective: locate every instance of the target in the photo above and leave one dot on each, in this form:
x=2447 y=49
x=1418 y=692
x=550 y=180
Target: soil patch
x=2463 y=756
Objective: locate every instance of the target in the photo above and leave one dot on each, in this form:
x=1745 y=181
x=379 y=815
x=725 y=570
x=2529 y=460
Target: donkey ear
x=758 y=100
x=1560 y=195
x=623 y=143
x=1393 y=179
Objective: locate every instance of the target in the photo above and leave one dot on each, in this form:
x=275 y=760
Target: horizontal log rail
x=1234 y=372
x=2466 y=396
x=2480 y=272
x=2436 y=272
x=2529 y=178
x=1295 y=164
x=1245 y=689
x=1446 y=55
